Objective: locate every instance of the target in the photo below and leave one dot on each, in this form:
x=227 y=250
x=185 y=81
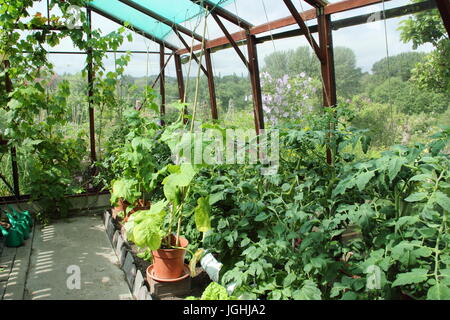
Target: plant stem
x=178 y=232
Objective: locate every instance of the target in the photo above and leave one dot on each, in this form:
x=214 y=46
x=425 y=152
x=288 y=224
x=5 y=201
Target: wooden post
x=90 y=66
x=162 y=83
x=15 y=169
x=179 y=70
x=211 y=85
x=180 y=80
x=327 y=66
x=444 y=10
x=256 y=83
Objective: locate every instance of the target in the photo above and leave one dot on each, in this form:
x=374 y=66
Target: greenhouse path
x=71 y=259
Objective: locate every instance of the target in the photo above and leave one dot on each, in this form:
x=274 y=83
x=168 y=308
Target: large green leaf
x=439 y=291
x=201 y=215
x=309 y=291
x=147 y=226
x=182 y=178
x=442 y=200
x=415 y=276
x=421 y=177
x=418 y=196
x=395 y=165
x=126 y=189
x=147 y=235
x=363 y=179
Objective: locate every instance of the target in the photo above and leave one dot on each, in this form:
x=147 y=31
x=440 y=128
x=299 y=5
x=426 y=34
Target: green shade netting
x=177 y=11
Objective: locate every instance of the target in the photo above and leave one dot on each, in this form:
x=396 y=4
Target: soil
x=198 y=283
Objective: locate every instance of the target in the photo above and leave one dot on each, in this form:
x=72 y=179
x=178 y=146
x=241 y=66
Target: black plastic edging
x=133 y=276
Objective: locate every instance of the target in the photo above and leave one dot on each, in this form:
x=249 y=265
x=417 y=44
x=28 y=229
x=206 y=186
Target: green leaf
x=126 y=189
x=337 y=288
x=201 y=215
x=147 y=235
x=363 y=179
x=442 y=200
x=181 y=177
x=193 y=263
x=285 y=187
x=215 y=291
x=216 y=197
x=289 y=279
x=421 y=177
x=262 y=216
x=439 y=291
x=418 y=196
x=415 y=276
x=349 y=295
x=309 y=291
x=394 y=167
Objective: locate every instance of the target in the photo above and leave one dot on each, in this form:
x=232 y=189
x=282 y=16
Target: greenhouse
x=224 y=150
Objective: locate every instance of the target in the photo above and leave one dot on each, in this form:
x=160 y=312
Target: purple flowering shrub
x=288 y=99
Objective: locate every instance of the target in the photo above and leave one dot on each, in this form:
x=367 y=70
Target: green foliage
x=214 y=291
x=150 y=231
x=407 y=98
x=281 y=237
x=433 y=73
x=145 y=227
x=382 y=121
x=37 y=110
x=422 y=27
x=427 y=27
x=201 y=215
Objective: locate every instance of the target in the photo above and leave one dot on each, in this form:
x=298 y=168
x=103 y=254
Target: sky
x=368 y=41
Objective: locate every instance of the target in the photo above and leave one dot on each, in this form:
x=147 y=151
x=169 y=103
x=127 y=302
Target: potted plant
x=134 y=163
x=159 y=230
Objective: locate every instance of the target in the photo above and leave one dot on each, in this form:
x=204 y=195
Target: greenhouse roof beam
x=193 y=55
x=162 y=19
x=317 y=3
x=210 y=6
x=301 y=23
x=230 y=38
x=287 y=21
x=341 y=23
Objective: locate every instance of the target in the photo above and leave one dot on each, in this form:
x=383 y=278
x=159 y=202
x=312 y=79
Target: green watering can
x=13 y=237
x=19 y=224
x=22 y=215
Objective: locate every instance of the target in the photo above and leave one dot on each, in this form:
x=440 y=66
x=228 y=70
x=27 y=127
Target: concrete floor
x=71 y=259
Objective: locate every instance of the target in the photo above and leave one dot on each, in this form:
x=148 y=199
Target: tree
x=348 y=76
x=427 y=27
x=422 y=27
x=399 y=65
x=292 y=63
x=407 y=99
x=303 y=60
x=433 y=73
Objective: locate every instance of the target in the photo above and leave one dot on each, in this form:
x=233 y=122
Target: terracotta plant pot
x=151 y=275
x=121 y=207
x=169 y=263
x=141 y=204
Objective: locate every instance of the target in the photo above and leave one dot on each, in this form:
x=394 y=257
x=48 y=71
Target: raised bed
x=135 y=269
